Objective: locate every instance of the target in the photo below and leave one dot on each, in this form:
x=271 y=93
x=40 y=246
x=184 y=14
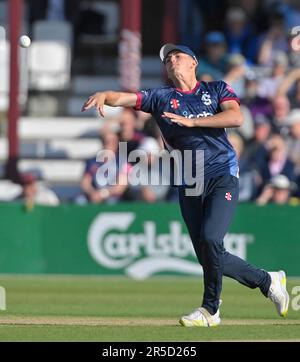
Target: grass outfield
x=120 y=309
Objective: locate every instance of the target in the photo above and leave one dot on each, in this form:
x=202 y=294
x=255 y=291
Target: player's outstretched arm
x=109 y=98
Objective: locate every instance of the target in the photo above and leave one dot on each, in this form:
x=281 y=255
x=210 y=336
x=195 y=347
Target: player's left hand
x=182 y=121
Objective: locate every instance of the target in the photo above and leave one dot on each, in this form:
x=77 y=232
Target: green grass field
x=120 y=309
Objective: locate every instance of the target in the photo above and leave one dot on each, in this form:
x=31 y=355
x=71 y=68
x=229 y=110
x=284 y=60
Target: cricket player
x=193 y=115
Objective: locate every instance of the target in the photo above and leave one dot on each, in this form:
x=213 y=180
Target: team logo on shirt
x=228 y=196
x=175 y=103
x=206 y=98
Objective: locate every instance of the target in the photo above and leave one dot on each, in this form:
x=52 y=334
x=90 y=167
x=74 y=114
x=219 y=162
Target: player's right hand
x=96 y=100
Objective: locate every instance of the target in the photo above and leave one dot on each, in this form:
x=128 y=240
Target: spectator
x=236 y=77
x=291 y=12
x=256 y=13
x=293 y=122
x=256 y=104
x=278 y=161
x=274 y=40
x=35 y=192
x=294 y=42
x=128 y=132
x=154 y=183
x=105 y=180
x=236 y=71
x=278 y=192
x=281 y=110
x=256 y=148
x=147 y=126
x=290 y=86
x=191 y=23
x=240 y=35
x=269 y=85
x=214 y=60
x=246 y=175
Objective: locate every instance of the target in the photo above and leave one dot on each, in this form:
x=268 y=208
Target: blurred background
x=48 y=147
x=82 y=46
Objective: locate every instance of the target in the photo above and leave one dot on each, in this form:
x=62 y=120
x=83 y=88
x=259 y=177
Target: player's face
x=179 y=63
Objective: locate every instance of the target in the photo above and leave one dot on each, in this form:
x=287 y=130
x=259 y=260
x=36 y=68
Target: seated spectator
x=105 y=180
x=128 y=132
x=293 y=142
x=236 y=77
x=291 y=11
x=294 y=97
x=213 y=61
x=191 y=21
x=35 y=192
x=281 y=110
x=147 y=125
x=246 y=175
x=257 y=13
x=256 y=104
x=278 y=192
x=240 y=36
x=268 y=86
x=154 y=183
x=274 y=40
x=294 y=42
x=256 y=151
x=235 y=73
x=278 y=161
x=290 y=86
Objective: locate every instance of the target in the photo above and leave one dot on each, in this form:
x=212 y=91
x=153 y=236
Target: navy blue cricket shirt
x=202 y=101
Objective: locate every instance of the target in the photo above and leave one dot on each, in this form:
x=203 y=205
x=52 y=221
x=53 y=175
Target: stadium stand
x=55 y=136
x=49 y=65
x=53 y=30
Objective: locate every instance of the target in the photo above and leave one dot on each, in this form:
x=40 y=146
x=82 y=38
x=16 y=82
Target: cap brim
x=165 y=50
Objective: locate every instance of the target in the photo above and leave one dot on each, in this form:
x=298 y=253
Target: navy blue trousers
x=208 y=218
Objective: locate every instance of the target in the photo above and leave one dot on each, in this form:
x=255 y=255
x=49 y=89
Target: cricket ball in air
x=24 y=41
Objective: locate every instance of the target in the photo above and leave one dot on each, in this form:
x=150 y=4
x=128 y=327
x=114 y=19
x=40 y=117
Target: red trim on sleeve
x=230 y=99
x=137 y=107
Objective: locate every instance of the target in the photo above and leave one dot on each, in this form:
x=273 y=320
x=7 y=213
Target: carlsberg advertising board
x=140 y=255
x=137 y=240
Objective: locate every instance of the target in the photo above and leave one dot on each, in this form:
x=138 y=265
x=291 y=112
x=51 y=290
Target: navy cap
x=214 y=37
x=167 y=48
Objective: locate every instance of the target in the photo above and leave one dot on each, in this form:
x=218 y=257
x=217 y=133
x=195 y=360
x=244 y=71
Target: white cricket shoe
x=278 y=293
x=200 y=317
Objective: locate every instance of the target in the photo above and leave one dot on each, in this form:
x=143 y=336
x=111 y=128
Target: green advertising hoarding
x=138 y=240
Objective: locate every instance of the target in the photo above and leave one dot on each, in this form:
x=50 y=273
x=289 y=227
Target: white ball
x=24 y=41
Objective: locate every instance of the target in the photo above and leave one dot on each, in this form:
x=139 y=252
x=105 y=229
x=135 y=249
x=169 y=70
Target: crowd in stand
x=258 y=54
x=260 y=59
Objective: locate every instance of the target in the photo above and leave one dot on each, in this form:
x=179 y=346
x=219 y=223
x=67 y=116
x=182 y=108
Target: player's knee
x=209 y=240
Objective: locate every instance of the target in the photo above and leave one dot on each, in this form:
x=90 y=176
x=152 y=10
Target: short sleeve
x=147 y=100
x=226 y=93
